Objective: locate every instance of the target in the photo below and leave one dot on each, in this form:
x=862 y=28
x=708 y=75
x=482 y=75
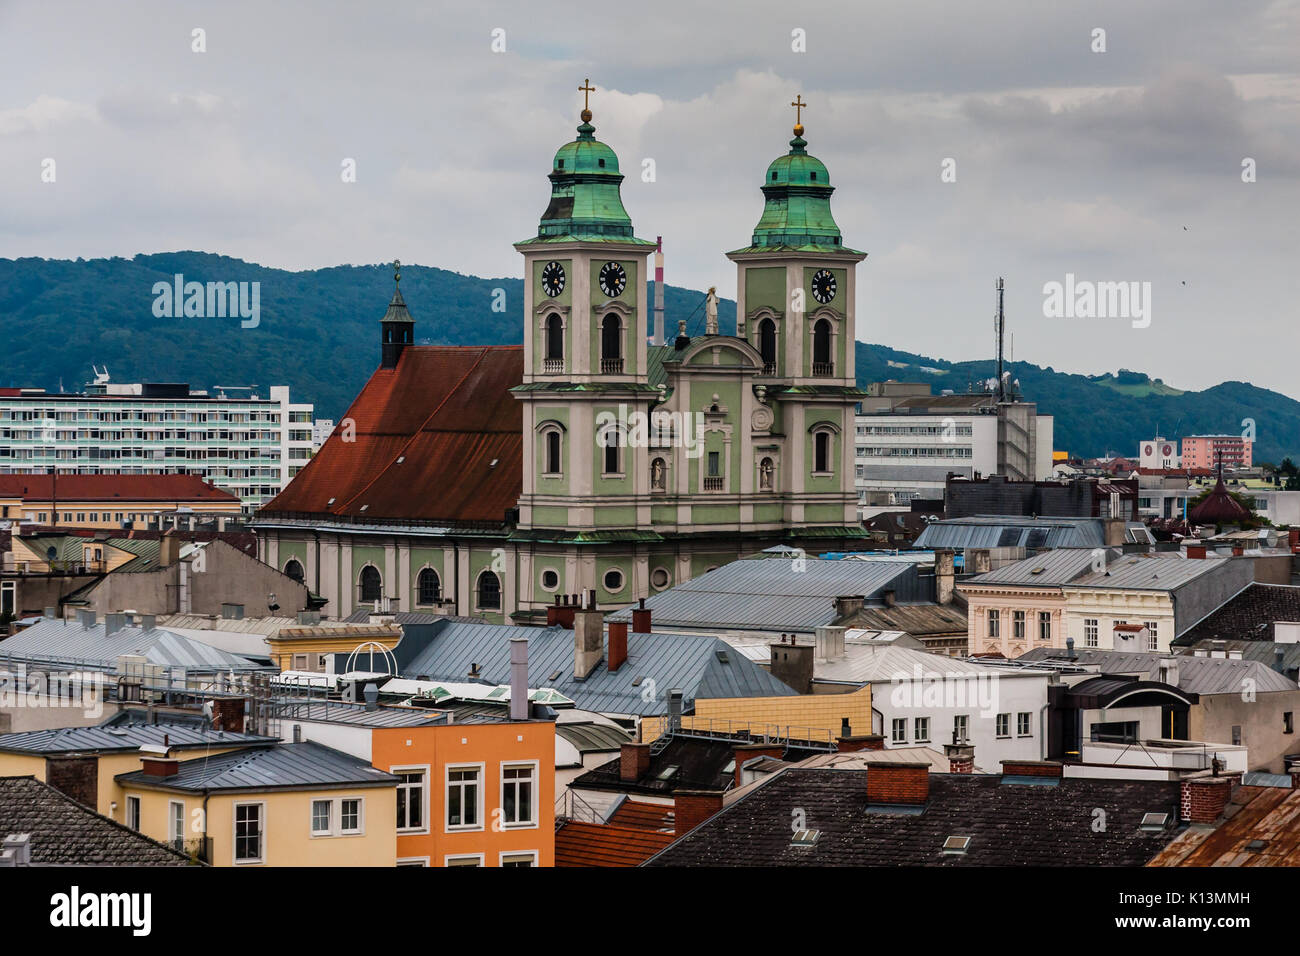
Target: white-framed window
x=133 y=812
x=1024 y=724
x=1018 y=625
x=519 y=858
x=1044 y=625
x=322 y=818
x=463 y=859
x=176 y=823
x=995 y=622
x=613 y=580
x=961 y=728
x=1153 y=635
x=412 y=861
x=250 y=833
x=412 y=799
x=352 y=820
x=465 y=797
x=1002 y=727
x=519 y=794
x=921 y=730
x=898 y=730
x=1089 y=632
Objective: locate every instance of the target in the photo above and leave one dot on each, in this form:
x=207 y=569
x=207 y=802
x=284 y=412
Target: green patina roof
x=585 y=201
x=797 y=210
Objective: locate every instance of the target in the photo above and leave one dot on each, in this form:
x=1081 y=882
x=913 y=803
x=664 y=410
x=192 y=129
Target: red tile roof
x=427 y=434
x=113 y=487
x=594 y=844
x=644 y=816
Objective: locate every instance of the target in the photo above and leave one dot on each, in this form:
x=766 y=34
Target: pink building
x=1206 y=451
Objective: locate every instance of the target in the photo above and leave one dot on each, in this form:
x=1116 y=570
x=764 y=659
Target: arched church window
x=822 y=452
x=553 y=466
x=489 y=592
x=822 y=348
x=294 y=570
x=372 y=586
x=767 y=345
x=611 y=345
x=428 y=587
x=554 y=338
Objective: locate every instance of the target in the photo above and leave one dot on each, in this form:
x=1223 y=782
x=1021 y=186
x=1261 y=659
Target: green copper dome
x=797 y=210
x=585 y=200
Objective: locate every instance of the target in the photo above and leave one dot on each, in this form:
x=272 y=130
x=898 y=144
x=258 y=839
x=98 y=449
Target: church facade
x=487 y=482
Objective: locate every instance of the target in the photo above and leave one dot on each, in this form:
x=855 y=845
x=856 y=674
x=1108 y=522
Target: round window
x=659 y=578
x=550 y=579
x=613 y=580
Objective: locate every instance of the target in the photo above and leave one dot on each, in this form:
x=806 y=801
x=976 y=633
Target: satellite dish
x=51 y=553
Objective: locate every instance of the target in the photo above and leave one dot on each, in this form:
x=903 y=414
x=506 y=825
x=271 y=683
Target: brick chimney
x=75 y=776
x=617 y=654
x=744 y=752
x=693 y=807
x=633 y=761
x=961 y=758
x=1203 y=799
x=1196 y=551
x=898 y=783
x=169 y=549
x=228 y=714
x=588 y=636
x=846 y=605
x=852 y=743
x=1032 y=768
x=641 y=618
x=159 y=766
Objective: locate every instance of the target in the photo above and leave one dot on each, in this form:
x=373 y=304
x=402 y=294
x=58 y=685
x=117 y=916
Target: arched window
x=611 y=345
x=554 y=338
x=822 y=348
x=611 y=458
x=553 y=466
x=428 y=588
x=822 y=452
x=372 y=586
x=767 y=345
x=489 y=592
x=294 y=570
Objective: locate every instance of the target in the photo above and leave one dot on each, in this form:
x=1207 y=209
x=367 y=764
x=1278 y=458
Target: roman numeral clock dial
x=613 y=280
x=552 y=279
x=823 y=286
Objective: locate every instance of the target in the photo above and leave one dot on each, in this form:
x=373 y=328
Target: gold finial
x=798 y=105
x=397 y=271
x=586 y=90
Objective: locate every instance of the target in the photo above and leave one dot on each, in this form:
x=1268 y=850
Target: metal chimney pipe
x=519 y=678
x=659 y=292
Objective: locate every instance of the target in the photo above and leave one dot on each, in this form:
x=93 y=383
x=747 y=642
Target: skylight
x=1153 y=821
x=956 y=844
x=805 y=839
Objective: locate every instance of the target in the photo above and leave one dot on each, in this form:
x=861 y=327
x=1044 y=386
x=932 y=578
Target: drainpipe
x=455 y=570
x=203 y=845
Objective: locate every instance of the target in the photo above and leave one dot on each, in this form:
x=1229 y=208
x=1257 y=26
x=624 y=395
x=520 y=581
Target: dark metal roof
x=1105 y=691
x=57 y=641
x=1051 y=569
x=590 y=737
x=1247 y=616
x=1196 y=675
x=305 y=765
x=125 y=737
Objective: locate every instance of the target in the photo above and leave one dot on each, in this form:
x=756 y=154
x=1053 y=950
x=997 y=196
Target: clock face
x=823 y=286
x=613 y=280
x=553 y=279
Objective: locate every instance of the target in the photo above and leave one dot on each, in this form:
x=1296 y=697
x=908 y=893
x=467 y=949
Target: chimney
x=633 y=761
x=847 y=605
x=588 y=636
x=830 y=642
x=372 y=697
x=1032 y=768
x=847 y=743
x=674 y=711
x=1114 y=532
x=113 y=623
x=792 y=664
x=86 y=618
x=1203 y=799
x=641 y=618
x=154 y=766
x=297 y=733
x=228 y=714
x=1279 y=660
x=519 y=678
x=617 y=655
x=553 y=612
x=1196 y=551
x=1167 y=671
x=898 y=783
x=16 y=850
x=979 y=561
x=889 y=596
x=693 y=807
x=945 y=576
x=169 y=549
x=742 y=753
x=51 y=612
x=148 y=622
x=961 y=758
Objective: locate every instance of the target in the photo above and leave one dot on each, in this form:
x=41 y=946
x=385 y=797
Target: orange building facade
x=474 y=794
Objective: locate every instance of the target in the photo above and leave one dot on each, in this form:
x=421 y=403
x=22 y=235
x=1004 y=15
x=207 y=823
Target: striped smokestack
x=659 y=291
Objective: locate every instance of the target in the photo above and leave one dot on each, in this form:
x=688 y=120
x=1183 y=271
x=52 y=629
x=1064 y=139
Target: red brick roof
x=427 y=434
x=113 y=487
x=594 y=844
x=645 y=816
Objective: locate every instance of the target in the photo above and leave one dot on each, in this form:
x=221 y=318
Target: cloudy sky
x=1123 y=165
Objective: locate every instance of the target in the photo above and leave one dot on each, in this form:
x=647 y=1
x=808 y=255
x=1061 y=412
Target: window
x=995 y=618
x=1090 y=632
x=518 y=787
x=1023 y=726
x=1018 y=625
x=715 y=464
x=960 y=728
x=767 y=345
x=659 y=578
x=611 y=458
x=427 y=586
x=921 y=729
x=350 y=816
x=553 y=466
x=1003 y=725
x=611 y=349
x=1153 y=639
x=1044 y=625
x=822 y=348
x=554 y=338
x=473 y=860
x=133 y=812
x=822 y=453
x=321 y=815
x=463 y=798
x=1288 y=727
x=489 y=592
x=176 y=824
x=550 y=579
x=613 y=580
x=519 y=859
x=372 y=588
x=1236 y=735
x=293 y=569
x=410 y=799
x=248 y=833
x=899 y=728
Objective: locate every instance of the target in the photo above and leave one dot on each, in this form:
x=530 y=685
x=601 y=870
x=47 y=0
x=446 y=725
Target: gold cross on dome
x=798 y=105
x=586 y=90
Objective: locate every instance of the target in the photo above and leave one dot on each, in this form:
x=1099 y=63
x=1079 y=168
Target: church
x=492 y=481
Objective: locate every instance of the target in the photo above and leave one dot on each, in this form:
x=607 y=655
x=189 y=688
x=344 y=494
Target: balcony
x=611 y=366
x=553 y=366
x=769 y=368
x=713 y=483
x=823 y=369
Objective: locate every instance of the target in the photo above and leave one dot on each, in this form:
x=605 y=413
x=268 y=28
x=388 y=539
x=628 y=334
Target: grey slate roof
x=1008 y=531
x=1196 y=675
x=1147 y=572
x=124 y=737
x=301 y=765
x=1052 y=569
x=58 y=641
x=65 y=833
x=689 y=663
x=769 y=594
x=338 y=712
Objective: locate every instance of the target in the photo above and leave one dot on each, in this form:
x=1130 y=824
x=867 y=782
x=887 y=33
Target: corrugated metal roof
x=290 y=709
x=771 y=594
x=124 y=737
x=1162 y=571
x=1196 y=675
x=306 y=764
x=1003 y=531
x=592 y=737
x=657 y=663
x=1043 y=570
x=68 y=641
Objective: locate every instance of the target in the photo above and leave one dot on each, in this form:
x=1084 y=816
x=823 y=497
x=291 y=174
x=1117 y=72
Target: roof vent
x=401 y=458
x=1256 y=845
x=805 y=839
x=364 y=507
x=956 y=845
x=1153 y=821
x=722 y=657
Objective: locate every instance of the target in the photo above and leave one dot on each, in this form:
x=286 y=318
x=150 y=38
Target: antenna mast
x=999 y=325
